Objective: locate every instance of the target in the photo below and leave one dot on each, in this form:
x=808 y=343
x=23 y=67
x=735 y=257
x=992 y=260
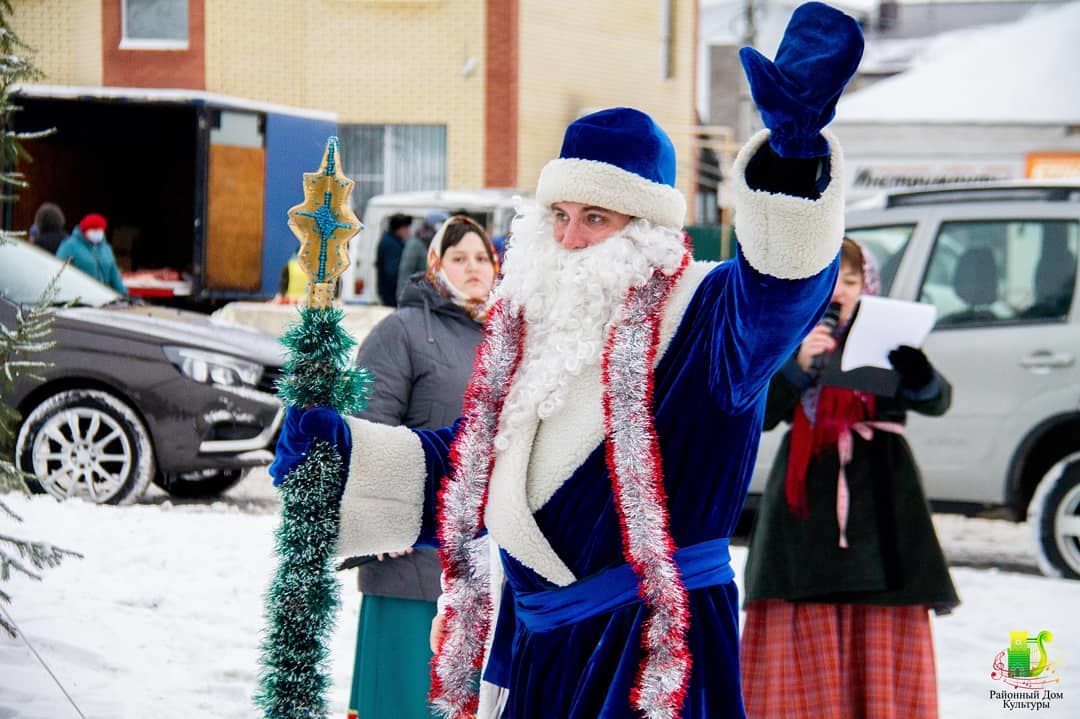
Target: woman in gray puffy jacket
x=421 y=357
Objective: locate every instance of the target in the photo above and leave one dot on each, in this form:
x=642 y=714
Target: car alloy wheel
x=88 y=444
x=1054 y=514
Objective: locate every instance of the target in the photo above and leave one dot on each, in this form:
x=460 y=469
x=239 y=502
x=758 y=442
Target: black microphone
x=830 y=320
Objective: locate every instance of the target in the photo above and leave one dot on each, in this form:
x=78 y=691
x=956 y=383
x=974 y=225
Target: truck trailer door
x=235 y=201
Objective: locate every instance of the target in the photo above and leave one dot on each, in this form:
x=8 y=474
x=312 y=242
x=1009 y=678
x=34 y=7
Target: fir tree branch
x=41 y=555
x=33 y=325
x=8 y=627
x=9 y=563
x=7 y=510
x=4 y=623
x=12 y=479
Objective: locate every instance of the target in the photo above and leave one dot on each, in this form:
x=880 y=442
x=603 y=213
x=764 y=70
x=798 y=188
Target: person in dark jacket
x=421 y=357
x=844 y=562
x=388 y=258
x=89 y=251
x=414 y=256
x=48 y=230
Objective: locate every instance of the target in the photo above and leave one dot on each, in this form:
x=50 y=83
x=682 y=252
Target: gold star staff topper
x=324 y=223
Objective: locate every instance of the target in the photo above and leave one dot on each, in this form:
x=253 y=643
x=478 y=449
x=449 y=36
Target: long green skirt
x=391 y=676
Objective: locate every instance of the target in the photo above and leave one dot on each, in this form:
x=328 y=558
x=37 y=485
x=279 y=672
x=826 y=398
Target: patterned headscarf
x=477 y=309
x=871 y=286
x=871 y=278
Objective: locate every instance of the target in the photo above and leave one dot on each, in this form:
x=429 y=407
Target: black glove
x=915 y=370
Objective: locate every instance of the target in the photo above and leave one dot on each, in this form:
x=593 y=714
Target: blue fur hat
x=618 y=159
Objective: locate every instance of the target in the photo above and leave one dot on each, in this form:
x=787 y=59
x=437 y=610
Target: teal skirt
x=391 y=675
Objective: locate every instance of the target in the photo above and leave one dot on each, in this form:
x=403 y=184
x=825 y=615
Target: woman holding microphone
x=844 y=564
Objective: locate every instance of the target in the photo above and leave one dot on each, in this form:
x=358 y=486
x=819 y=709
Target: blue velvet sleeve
x=436 y=445
x=754 y=322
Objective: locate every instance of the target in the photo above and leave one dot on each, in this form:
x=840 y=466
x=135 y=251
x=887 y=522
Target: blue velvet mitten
x=299 y=430
x=797 y=93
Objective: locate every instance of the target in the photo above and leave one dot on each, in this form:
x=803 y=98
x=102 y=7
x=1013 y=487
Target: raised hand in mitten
x=299 y=430
x=914 y=369
x=797 y=93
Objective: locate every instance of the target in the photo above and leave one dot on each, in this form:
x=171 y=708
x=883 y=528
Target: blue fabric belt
x=705 y=564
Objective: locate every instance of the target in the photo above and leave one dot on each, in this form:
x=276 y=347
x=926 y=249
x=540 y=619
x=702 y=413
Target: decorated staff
x=303 y=596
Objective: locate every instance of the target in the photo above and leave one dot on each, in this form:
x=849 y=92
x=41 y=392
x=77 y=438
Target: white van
x=493 y=208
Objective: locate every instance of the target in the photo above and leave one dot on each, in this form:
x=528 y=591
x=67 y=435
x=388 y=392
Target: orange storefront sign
x=1052 y=165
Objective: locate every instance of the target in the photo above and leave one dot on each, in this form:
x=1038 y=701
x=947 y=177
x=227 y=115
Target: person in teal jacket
x=89 y=251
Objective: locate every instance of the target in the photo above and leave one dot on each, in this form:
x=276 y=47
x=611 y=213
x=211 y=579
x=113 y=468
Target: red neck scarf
x=837 y=411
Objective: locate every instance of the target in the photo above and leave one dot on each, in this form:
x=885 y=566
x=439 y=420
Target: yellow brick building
x=502 y=78
x=583 y=56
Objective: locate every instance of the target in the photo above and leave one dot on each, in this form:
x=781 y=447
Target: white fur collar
x=560 y=445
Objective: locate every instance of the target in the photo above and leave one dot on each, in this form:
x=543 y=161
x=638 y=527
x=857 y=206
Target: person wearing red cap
x=90 y=252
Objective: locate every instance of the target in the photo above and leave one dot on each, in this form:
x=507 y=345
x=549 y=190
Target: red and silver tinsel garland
x=467 y=591
x=633 y=459
x=637 y=481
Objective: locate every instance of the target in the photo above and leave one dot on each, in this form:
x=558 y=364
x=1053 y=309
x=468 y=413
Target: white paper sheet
x=880 y=326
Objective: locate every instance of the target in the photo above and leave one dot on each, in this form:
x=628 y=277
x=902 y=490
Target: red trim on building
x=501 y=97
x=153 y=68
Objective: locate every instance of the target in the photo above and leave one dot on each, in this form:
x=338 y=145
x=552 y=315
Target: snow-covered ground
x=162 y=616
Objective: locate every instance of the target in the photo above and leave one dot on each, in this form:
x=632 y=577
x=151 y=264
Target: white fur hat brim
x=604 y=185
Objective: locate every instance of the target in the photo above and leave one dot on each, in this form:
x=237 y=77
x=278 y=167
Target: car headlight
x=213 y=368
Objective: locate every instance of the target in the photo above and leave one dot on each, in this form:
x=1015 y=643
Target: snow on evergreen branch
x=32 y=329
x=38 y=555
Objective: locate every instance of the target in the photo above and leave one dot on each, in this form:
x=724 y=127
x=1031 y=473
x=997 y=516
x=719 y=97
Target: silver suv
x=999 y=261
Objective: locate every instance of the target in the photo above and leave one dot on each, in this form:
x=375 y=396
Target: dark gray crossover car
x=136 y=393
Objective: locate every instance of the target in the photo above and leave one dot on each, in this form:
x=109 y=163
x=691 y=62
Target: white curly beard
x=570 y=298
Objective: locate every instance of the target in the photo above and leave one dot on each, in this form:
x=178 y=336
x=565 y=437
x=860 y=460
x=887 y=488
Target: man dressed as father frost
x=612 y=420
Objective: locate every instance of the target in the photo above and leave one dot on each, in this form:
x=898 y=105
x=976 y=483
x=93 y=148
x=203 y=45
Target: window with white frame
x=393 y=158
x=154 y=24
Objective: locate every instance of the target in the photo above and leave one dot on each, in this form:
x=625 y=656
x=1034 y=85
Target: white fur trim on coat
x=383 y=503
x=493 y=697
x=613 y=188
x=528 y=473
x=784 y=236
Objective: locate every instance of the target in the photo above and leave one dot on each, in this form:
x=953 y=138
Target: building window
x=393 y=158
x=154 y=24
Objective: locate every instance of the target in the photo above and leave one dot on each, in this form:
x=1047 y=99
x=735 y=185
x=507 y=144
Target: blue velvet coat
x=710 y=389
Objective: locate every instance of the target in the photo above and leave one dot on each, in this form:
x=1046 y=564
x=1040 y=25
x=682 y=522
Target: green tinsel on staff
x=303 y=597
x=317 y=372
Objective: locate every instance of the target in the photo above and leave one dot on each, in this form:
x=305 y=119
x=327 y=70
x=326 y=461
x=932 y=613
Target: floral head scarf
x=477 y=309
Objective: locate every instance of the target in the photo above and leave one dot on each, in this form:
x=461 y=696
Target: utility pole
x=746 y=102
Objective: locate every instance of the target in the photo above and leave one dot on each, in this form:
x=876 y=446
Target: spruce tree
x=32 y=328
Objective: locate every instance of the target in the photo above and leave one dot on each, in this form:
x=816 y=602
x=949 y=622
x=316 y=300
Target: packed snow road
x=162 y=616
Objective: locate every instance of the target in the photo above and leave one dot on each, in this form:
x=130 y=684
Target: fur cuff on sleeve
x=784 y=236
x=383 y=503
